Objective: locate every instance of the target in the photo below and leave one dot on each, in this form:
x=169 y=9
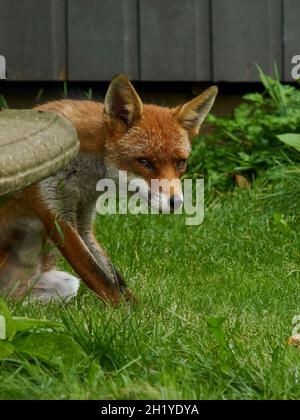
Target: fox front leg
x=104 y=261
x=74 y=249
x=84 y=222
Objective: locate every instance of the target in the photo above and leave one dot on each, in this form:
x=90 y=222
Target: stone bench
x=33 y=146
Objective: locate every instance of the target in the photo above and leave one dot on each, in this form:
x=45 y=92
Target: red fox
x=122 y=134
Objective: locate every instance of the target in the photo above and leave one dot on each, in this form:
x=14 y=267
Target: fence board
x=291 y=34
x=32 y=39
x=159 y=40
x=103 y=39
x=244 y=33
x=175 y=40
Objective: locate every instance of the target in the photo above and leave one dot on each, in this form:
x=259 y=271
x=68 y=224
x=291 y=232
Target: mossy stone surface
x=33 y=146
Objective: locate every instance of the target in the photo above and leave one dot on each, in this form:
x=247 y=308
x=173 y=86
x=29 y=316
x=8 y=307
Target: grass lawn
x=242 y=264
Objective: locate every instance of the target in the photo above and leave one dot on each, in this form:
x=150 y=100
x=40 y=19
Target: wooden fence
x=150 y=40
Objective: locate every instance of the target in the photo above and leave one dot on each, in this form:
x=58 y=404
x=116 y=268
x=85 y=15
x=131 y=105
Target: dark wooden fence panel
x=175 y=40
x=291 y=28
x=244 y=33
x=32 y=39
x=159 y=40
x=103 y=39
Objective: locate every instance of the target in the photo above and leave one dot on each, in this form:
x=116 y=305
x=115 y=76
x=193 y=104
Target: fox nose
x=175 y=202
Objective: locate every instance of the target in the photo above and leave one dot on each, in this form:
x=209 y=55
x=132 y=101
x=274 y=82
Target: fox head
x=151 y=142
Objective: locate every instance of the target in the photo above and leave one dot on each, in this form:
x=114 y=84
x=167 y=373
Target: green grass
x=242 y=264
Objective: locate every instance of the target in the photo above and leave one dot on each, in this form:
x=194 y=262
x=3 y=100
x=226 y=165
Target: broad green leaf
x=6 y=349
x=26 y=324
x=215 y=322
x=292 y=140
x=215 y=326
x=54 y=348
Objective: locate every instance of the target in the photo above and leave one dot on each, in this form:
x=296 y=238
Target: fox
x=55 y=216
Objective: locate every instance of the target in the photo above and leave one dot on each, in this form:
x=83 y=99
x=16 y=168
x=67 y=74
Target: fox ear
x=122 y=102
x=192 y=114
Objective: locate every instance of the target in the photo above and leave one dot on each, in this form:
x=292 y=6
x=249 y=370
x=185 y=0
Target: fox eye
x=146 y=163
x=181 y=164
